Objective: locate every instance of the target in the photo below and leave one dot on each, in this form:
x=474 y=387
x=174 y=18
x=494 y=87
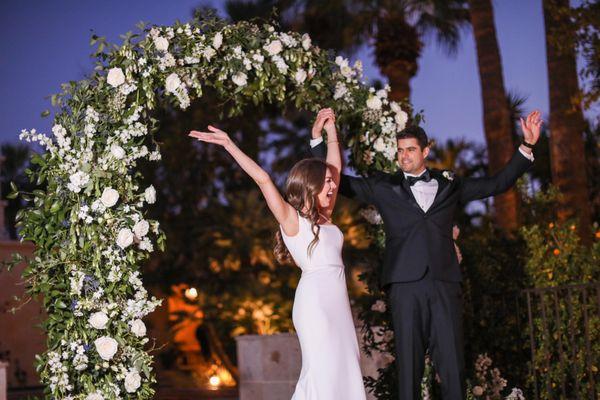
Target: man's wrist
x=527 y=144
x=316 y=141
x=526 y=149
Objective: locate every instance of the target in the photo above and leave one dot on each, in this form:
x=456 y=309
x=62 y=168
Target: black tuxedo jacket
x=419 y=241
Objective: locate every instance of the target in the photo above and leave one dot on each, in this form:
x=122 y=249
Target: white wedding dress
x=322 y=318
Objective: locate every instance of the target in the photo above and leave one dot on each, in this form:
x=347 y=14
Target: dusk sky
x=46 y=43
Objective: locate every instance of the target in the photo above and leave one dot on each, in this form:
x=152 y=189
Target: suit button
x=424 y=216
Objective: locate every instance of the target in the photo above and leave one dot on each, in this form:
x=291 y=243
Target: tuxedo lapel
x=444 y=186
x=402 y=188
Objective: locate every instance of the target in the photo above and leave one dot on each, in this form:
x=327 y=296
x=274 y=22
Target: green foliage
x=566 y=322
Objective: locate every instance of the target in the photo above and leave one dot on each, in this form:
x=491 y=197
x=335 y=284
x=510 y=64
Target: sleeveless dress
x=322 y=318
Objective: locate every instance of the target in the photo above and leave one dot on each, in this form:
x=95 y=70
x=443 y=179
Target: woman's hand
x=215 y=136
x=325 y=119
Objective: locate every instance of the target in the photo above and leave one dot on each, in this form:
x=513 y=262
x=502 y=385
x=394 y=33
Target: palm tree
x=567 y=125
x=396 y=28
x=496 y=112
x=399 y=28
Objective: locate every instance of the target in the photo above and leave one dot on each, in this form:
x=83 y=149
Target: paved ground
x=163 y=394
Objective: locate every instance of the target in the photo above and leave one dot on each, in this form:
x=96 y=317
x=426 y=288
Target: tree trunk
x=567 y=156
x=496 y=113
x=397 y=49
x=399 y=75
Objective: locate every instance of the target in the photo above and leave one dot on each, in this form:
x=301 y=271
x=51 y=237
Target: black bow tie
x=425 y=177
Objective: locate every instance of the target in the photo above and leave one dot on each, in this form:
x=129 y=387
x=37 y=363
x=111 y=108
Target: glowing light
x=191 y=293
x=214 y=380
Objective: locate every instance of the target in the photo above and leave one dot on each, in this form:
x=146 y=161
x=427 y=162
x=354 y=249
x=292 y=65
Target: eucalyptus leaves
x=89 y=224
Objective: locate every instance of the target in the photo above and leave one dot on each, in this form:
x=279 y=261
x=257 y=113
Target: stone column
x=3 y=368
x=269 y=365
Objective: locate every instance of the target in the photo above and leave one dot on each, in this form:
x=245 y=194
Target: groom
x=420 y=271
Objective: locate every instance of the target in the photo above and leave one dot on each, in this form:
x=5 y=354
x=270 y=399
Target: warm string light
x=214 y=380
x=191 y=293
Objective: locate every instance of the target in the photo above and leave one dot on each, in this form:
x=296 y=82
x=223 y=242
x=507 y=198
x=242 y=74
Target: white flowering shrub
x=89 y=224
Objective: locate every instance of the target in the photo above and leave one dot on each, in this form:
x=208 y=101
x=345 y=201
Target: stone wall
x=21 y=338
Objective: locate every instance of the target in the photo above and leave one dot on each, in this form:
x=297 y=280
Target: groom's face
x=411 y=157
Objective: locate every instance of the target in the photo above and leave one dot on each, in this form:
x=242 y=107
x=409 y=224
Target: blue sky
x=46 y=43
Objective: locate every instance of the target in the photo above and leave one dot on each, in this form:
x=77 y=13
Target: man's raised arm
x=480 y=188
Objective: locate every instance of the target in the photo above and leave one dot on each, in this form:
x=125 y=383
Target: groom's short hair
x=415 y=132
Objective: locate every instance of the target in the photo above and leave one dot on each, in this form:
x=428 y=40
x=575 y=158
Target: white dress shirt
x=424 y=192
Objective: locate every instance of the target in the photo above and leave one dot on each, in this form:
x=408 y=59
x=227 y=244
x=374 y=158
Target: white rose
x=98 y=320
x=341 y=61
x=347 y=71
x=124 y=238
x=401 y=119
x=161 y=43
x=172 y=82
x=273 y=48
x=306 y=42
x=106 y=347
x=141 y=228
x=379 y=145
x=381 y=93
x=94 y=396
x=115 y=77
x=117 y=151
x=218 y=40
x=150 y=195
x=374 y=103
x=395 y=107
x=138 y=328
x=300 y=76
x=133 y=381
x=109 y=197
x=240 y=79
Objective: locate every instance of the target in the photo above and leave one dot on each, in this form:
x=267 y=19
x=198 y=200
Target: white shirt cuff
x=526 y=155
x=315 y=142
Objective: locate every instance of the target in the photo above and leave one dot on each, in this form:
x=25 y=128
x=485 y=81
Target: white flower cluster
x=59 y=379
x=390 y=119
x=379 y=306
x=515 y=394
x=76 y=281
x=371 y=215
x=348 y=80
x=32 y=136
x=78 y=181
x=175 y=86
x=139 y=306
x=80 y=359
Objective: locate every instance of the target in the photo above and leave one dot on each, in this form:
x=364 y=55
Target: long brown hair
x=303 y=184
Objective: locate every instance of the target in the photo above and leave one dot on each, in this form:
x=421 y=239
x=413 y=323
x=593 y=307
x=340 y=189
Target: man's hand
x=531 y=127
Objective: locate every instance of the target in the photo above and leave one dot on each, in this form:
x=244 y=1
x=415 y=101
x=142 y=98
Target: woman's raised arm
x=284 y=213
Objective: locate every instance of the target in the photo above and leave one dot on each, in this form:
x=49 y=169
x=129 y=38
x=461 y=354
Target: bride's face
x=326 y=195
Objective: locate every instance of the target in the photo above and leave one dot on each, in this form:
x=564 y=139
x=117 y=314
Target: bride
x=321 y=312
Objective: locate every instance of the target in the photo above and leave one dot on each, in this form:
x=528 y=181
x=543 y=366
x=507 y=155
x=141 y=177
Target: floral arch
x=89 y=224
